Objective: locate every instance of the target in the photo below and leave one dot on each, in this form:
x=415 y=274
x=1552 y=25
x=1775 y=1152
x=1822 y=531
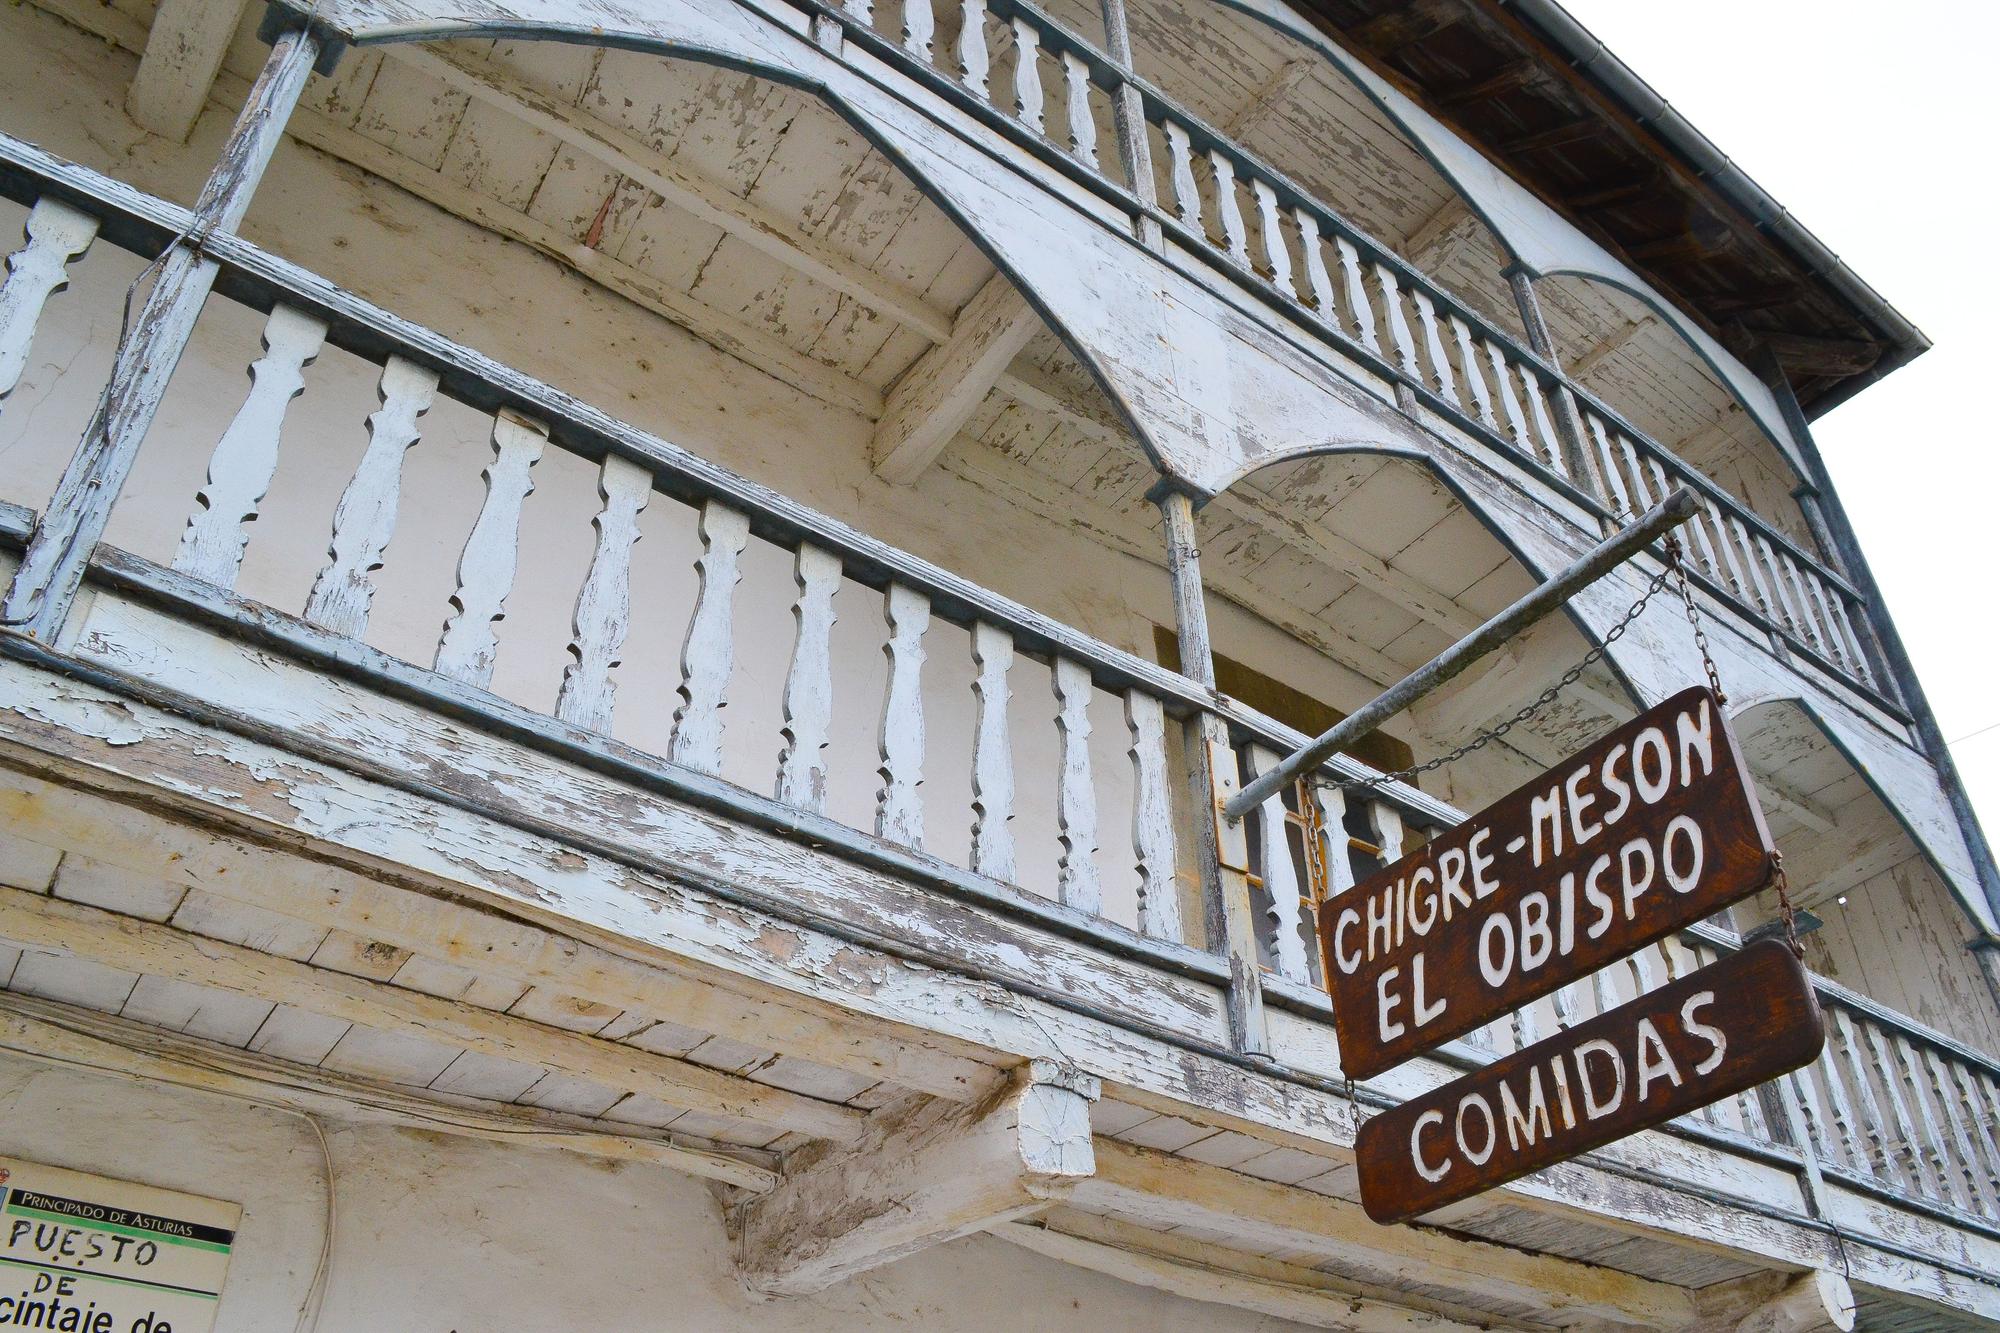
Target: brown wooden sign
x=1710 y=1035
x=1653 y=827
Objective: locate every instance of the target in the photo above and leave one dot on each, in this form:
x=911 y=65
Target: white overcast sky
x=1877 y=130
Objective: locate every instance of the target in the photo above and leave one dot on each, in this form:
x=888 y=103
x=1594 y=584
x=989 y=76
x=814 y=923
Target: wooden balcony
x=1048 y=894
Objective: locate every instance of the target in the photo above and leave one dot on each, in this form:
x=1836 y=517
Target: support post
x=1221 y=850
x=1135 y=153
x=69 y=529
x=1577 y=457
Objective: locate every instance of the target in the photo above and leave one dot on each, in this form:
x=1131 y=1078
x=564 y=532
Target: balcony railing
x=1096 y=118
x=1892 y=1108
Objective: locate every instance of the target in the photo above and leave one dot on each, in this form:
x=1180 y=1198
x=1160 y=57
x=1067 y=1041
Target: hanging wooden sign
x=1710 y=1035
x=1648 y=830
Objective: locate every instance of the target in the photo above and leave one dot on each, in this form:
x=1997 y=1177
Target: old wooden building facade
x=927 y=453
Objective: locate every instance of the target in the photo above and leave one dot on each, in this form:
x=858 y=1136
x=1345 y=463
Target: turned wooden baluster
x=1027 y=75
x=1275 y=252
x=1399 y=324
x=1475 y=381
x=1441 y=376
x=708 y=654
x=919 y=24
x=1949 y=1099
x=992 y=754
x=1981 y=1126
x=974 y=62
x=1510 y=405
x=1152 y=819
x=365 y=519
x=1082 y=123
x=1545 y=429
x=1614 y=477
x=1909 y=1158
x=808 y=700
x=603 y=612
x=1847 y=1129
x=1077 y=883
x=1235 y=236
x=1317 y=278
x=1357 y=295
x=899 y=809
x=1281 y=881
x=1907 y=1072
x=468 y=648
x=246 y=457
x=1180 y=171
x=57 y=235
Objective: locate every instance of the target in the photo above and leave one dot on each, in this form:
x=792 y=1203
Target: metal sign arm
x=1600 y=560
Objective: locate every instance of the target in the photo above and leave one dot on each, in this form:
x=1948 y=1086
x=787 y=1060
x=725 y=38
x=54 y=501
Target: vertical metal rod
x=69 y=529
x=1545 y=599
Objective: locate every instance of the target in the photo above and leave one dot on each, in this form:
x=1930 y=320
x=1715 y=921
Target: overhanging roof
x=1569 y=120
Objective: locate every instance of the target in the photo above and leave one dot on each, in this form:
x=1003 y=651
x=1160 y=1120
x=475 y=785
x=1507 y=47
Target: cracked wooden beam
x=926 y=1173
x=1814 y=1302
x=938 y=394
x=1200 y=1272
x=65 y=1035
x=134 y=945
x=1164 y=1192
x=184 y=51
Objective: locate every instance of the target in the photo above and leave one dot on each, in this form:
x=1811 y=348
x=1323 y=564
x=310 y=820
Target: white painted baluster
x=1275 y=252
x=1475 y=381
x=1152 y=819
x=1846 y=1125
x=992 y=755
x=57 y=234
x=1082 y=123
x=1388 y=830
x=1872 y=1121
x=1441 y=377
x=1795 y=580
x=1982 y=1128
x=365 y=519
x=604 y=603
x=899 y=809
x=1945 y=1094
x=486 y=567
x=1332 y=803
x=1930 y=1137
x=1076 y=797
x=1545 y=428
x=246 y=457
x=1503 y=382
x=1823 y=600
x=1614 y=478
x=708 y=655
x=1027 y=75
x=973 y=60
x=1399 y=324
x=918 y=26
x=1281 y=880
x=1759 y=595
x=1773 y=565
x=1180 y=157
x=1317 y=278
x=808 y=700
x=1235 y=236
x=1357 y=295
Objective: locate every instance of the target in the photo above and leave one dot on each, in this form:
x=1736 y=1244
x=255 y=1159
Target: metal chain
x=1675 y=563
x=1534 y=706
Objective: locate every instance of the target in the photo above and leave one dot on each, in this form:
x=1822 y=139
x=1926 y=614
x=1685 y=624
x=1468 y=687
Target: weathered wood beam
x=1244 y=1282
x=69 y=1036
x=762 y=230
x=1559 y=135
x=335 y=897
x=1803 y=354
x=1271 y=93
x=134 y=945
x=1509 y=77
x=1600 y=352
x=1815 y=1302
x=938 y=394
x=1156 y=1188
x=1433 y=239
x=184 y=50
x=926 y=1173
x=1403 y=26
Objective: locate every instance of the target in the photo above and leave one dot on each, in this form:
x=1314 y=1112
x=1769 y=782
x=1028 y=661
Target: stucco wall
x=437 y=1233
